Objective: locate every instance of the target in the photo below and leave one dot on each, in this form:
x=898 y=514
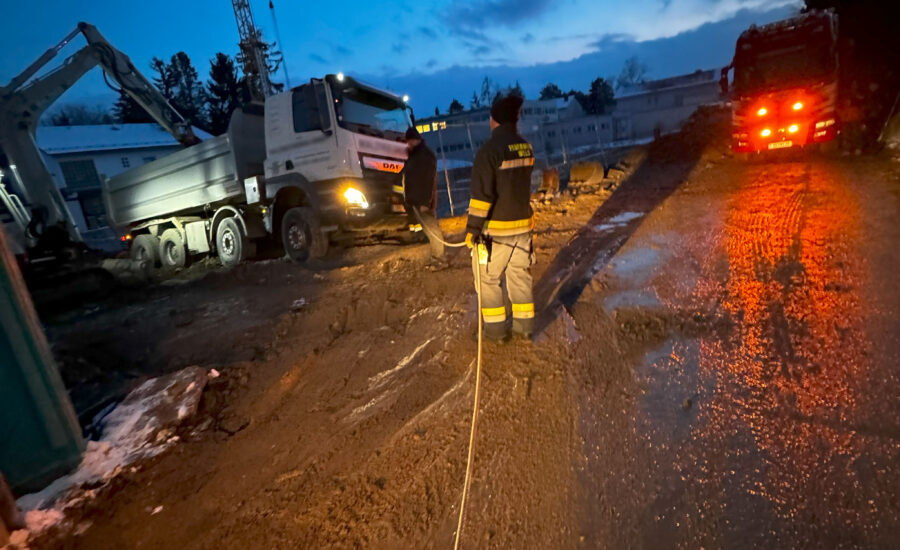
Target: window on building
x=92 y=208
x=126 y=163
x=592 y=128
x=80 y=174
x=604 y=126
x=440 y=125
x=423 y=128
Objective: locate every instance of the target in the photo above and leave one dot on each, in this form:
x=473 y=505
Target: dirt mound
x=706 y=132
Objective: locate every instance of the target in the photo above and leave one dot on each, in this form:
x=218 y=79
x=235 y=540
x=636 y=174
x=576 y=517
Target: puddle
x=632 y=298
x=671 y=399
x=636 y=265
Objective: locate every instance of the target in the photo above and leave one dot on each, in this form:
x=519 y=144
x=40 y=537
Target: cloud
x=610 y=39
x=341 y=50
x=399 y=48
x=427 y=31
x=318 y=58
x=528 y=38
x=432 y=63
x=507 y=13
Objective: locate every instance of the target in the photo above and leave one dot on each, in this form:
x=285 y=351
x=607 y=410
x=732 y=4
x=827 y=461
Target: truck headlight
x=355 y=197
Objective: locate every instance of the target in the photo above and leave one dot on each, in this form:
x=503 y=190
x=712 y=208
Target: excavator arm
x=25 y=99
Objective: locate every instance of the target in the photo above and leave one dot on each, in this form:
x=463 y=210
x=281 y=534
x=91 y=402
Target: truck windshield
x=367 y=112
x=788 y=60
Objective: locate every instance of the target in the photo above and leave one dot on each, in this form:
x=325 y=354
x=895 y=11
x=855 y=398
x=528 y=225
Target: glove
x=470 y=240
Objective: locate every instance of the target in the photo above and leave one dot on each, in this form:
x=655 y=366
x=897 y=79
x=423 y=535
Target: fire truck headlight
x=793 y=128
x=762 y=111
x=798 y=105
x=766 y=133
x=355 y=197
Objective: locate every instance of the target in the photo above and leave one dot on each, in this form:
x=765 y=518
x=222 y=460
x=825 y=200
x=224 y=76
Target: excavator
x=44 y=234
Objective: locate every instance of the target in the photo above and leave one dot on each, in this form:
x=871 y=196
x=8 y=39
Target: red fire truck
x=785 y=89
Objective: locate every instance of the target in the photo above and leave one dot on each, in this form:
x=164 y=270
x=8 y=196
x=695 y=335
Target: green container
x=40 y=438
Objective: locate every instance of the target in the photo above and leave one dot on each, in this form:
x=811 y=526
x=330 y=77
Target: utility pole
x=446 y=174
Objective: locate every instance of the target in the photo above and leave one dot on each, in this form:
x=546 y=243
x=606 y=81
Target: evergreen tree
x=456 y=107
x=126 y=110
x=223 y=93
x=516 y=90
x=180 y=84
x=600 y=96
x=551 y=91
x=79 y=115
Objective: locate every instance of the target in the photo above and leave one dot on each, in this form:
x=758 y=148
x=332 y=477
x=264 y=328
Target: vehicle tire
x=301 y=236
x=231 y=243
x=145 y=247
x=172 y=251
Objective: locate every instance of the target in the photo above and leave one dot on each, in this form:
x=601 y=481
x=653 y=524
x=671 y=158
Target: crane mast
x=253 y=52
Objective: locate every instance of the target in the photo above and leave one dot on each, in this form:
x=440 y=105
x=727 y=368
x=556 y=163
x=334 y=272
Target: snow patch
x=140 y=427
x=626 y=217
x=617 y=221
x=381 y=377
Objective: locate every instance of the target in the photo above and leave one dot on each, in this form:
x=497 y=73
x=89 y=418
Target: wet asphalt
x=779 y=425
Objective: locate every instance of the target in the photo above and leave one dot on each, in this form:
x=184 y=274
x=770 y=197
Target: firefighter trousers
x=432 y=229
x=510 y=256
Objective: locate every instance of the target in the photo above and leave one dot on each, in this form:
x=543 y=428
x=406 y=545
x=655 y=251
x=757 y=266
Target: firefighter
x=420 y=192
x=501 y=220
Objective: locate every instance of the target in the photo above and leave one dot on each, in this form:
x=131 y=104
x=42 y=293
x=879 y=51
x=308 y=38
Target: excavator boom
x=25 y=99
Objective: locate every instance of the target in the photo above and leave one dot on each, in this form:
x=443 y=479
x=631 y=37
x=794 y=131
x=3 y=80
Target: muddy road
x=718 y=368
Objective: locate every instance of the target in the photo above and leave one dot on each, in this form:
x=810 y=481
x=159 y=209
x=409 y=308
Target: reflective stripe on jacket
x=501 y=185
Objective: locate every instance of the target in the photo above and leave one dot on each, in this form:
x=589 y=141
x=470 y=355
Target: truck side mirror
x=723 y=80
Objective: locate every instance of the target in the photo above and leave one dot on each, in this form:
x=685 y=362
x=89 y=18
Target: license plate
x=398 y=208
x=781 y=144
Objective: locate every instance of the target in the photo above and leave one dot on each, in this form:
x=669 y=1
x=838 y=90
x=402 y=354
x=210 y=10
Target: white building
x=79 y=157
x=552 y=126
x=662 y=106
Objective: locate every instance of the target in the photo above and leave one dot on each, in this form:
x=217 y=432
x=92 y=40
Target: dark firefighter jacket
x=420 y=177
x=501 y=185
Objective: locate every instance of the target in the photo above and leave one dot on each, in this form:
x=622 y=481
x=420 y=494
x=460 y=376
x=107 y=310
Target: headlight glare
x=355 y=197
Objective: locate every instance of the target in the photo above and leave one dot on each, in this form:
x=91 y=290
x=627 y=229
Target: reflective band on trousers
x=478 y=208
x=523 y=311
x=397 y=189
x=517 y=163
x=494 y=314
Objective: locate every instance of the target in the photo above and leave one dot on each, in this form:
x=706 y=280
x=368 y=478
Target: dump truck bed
x=209 y=173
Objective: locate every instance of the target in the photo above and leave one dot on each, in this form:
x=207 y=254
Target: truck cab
x=785 y=85
x=337 y=146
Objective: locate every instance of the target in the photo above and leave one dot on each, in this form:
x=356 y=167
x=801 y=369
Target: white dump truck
x=315 y=164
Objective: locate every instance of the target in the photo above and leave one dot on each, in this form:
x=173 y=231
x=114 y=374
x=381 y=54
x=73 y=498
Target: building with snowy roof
x=80 y=157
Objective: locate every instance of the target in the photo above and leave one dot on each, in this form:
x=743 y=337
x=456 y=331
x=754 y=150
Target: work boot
x=523 y=337
x=493 y=332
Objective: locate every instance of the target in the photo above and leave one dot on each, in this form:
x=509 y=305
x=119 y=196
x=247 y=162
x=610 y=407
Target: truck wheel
x=145 y=247
x=300 y=235
x=231 y=243
x=172 y=252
